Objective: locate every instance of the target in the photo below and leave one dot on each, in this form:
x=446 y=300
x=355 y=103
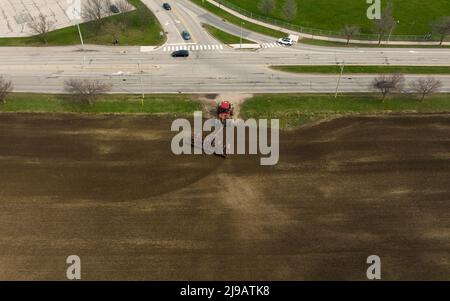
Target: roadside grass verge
x=360 y=45
x=138 y=27
x=223 y=36
x=108 y=103
x=237 y=21
x=415 y=16
x=295 y=110
x=354 y=69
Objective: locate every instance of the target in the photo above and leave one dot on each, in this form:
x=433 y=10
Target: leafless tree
x=123 y=6
x=425 y=86
x=386 y=84
x=267 y=6
x=442 y=27
x=6 y=87
x=41 y=26
x=86 y=90
x=290 y=9
x=350 y=31
x=386 y=23
x=96 y=10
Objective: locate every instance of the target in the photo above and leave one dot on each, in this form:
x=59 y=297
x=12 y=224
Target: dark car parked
x=180 y=53
x=167 y=6
x=114 y=9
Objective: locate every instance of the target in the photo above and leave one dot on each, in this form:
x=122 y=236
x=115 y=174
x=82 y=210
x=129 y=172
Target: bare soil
x=108 y=189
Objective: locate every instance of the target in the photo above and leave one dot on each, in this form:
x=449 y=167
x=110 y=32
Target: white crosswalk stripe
x=271 y=45
x=212 y=47
x=193 y=47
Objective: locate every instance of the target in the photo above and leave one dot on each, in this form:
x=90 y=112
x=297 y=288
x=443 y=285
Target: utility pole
x=77 y=18
x=390 y=33
x=242 y=23
x=81 y=36
x=342 y=65
x=142 y=85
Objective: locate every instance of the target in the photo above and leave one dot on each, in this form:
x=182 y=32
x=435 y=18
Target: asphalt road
x=45 y=69
x=177 y=20
x=205 y=71
x=199 y=16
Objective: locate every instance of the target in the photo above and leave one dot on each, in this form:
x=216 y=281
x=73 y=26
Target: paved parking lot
x=15 y=14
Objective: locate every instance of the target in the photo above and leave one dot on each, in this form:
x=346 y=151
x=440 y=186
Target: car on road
x=167 y=6
x=286 y=41
x=185 y=34
x=180 y=53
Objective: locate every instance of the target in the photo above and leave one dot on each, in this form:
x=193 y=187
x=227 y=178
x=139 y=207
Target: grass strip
x=238 y=21
x=110 y=103
x=225 y=37
x=297 y=109
x=354 y=69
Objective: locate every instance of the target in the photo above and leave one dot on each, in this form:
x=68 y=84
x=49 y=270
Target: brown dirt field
x=108 y=189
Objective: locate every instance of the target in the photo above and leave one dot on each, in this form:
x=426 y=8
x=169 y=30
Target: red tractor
x=225 y=111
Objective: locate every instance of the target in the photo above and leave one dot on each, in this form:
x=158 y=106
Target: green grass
x=383 y=45
x=138 y=27
x=292 y=109
x=225 y=37
x=415 y=16
x=351 y=69
x=59 y=103
x=297 y=109
x=237 y=21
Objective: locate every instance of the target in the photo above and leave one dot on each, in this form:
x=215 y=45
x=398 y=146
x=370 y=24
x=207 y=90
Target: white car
x=286 y=41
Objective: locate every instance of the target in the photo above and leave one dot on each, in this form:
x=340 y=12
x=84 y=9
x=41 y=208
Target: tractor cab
x=225 y=111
